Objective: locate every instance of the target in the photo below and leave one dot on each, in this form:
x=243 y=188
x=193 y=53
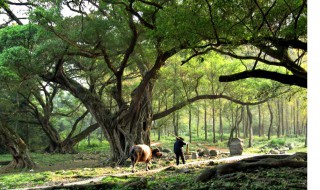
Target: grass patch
x=94 y=146
x=5 y=157
x=12 y=181
x=263 y=145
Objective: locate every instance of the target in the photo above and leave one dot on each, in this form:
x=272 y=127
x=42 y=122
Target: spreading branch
x=10 y=13
x=258 y=73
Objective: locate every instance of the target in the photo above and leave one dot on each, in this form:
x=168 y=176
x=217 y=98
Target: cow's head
x=156 y=153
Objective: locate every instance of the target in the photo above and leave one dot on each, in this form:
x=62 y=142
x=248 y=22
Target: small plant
x=276 y=143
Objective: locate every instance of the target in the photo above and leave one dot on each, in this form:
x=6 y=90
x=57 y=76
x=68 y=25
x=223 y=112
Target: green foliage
x=15 y=57
x=95 y=145
x=18 y=35
x=277 y=143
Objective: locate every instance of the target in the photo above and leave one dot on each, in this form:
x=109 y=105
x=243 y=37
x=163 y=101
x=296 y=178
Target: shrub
x=276 y=143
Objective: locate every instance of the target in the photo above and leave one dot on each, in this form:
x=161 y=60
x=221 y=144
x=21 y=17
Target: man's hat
x=180 y=138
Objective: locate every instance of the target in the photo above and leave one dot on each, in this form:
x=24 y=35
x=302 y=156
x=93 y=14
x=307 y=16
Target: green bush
x=276 y=143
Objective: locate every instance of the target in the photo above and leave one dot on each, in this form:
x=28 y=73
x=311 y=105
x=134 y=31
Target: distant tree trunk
x=271 y=120
x=159 y=127
x=205 y=122
x=198 y=120
x=286 y=120
x=306 y=133
x=250 y=127
x=177 y=120
x=298 y=121
x=293 y=115
x=214 y=140
x=159 y=133
x=175 y=126
x=236 y=123
x=220 y=122
x=279 y=119
x=259 y=122
x=262 y=125
x=282 y=118
x=190 y=135
x=17 y=148
x=89 y=140
x=232 y=117
x=174 y=100
x=101 y=136
x=245 y=126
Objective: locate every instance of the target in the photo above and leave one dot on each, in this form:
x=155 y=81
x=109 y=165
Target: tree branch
x=74 y=127
x=10 y=13
x=283 y=78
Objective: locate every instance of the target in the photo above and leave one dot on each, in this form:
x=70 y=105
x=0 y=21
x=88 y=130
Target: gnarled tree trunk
x=17 y=148
x=130 y=126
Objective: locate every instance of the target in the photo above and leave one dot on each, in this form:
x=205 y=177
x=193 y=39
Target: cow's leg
x=133 y=165
x=147 y=166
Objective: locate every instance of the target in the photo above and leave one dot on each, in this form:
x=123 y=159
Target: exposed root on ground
x=229 y=170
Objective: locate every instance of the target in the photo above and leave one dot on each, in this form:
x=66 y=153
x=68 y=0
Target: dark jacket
x=178 y=146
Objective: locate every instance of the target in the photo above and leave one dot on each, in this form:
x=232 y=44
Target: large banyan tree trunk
x=16 y=146
x=130 y=126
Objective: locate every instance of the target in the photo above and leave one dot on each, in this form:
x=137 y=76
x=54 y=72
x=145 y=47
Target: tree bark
x=286 y=129
x=190 y=119
x=198 y=120
x=259 y=127
x=279 y=120
x=282 y=118
x=306 y=134
x=298 y=120
x=236 y=124
x=271 y=120
x=282 y=78
x=17 y=148
x=293 y=115
x=128 y=126
x=220 y=121
x=214 y=140
x=250 y=127
x=205 y=122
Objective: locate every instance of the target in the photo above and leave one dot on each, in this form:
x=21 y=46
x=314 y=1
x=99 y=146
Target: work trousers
x=179 y=154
